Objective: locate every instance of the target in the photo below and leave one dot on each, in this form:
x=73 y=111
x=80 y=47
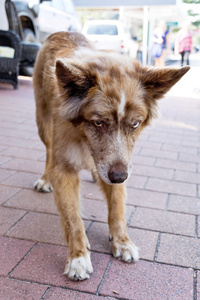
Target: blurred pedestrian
x=183 y=44
x=161 y=45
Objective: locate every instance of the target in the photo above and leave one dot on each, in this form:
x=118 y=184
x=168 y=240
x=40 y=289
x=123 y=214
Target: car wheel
x=29 y=37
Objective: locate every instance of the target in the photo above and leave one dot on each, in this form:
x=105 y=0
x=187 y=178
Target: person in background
x=165 y=43
x=183 y=44
x=161 y=44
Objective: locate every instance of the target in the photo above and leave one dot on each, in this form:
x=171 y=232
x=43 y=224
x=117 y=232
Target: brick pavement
x=163 y=211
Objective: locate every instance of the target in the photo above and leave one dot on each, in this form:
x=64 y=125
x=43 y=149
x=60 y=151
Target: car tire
x=29 y=37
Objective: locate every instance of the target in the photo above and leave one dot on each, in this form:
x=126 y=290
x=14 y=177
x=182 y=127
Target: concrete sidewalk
x=163 y=209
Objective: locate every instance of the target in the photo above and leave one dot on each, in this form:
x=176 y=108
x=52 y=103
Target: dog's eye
x=98 y=123
x=136 y=124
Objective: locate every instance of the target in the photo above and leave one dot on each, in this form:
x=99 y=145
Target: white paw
x=128 y=252
x=79 y=268
x=43 y=186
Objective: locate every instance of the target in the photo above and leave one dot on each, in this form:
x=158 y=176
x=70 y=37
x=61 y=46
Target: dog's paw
x=43 y=186
x=79 y=268
x=128 y=252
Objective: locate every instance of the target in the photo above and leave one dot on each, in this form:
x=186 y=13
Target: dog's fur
x=91 y=107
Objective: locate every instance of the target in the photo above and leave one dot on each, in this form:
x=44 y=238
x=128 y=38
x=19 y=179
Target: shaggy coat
x=90 y=108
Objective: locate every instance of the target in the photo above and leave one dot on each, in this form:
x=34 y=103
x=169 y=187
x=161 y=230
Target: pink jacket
x=184 y=41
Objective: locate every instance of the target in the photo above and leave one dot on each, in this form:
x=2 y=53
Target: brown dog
x=91 y=107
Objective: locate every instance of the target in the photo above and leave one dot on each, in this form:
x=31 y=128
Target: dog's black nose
x=117 y=177
x=117 y=174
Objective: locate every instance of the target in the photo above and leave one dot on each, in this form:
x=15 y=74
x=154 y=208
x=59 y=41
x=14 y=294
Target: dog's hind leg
x=45 y=132
x=43 y=116
x=66 y=194
x=43 y=184
x=122 y=246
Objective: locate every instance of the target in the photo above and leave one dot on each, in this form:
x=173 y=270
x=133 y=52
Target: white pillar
x=121 y=13
x=152 y=24
x=145 y=34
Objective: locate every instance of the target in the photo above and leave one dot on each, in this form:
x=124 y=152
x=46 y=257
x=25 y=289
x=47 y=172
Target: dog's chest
x=79 y=156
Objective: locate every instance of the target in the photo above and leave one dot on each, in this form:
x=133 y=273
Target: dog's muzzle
x=117 y=173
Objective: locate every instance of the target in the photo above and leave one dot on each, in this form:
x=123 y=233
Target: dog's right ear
x=158 y=81
x=74 y=83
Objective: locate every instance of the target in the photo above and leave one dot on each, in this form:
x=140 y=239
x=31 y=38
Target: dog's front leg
x=66 y=193
x=122 y=246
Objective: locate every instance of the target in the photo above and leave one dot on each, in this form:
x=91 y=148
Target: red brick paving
x=12 y=251
x=171 y=187
x=30 y=200
x=8 y=217
x=45 y=265
x=97 y=210
x=148 y=280
x=163 y=209
x=21 y=179
x=7 y=192
x=187 y=177
x=146 y=198
x=179 y=250
x=56 y=293
x=18 y=290
x=38 y=227
x=4 y=174
x=176 y=165
x=20 y=164
x=184 y=204
x=154 y=172
x=198 y=284
x=164 y=221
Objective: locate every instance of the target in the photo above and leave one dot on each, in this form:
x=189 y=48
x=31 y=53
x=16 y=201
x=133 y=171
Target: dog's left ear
x=74 y=81
x=73 y=78
x=158 y=81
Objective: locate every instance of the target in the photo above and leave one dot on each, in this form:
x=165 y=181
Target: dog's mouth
x=114 y=174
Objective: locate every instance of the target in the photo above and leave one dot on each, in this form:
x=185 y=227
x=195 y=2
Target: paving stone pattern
x=162 y=211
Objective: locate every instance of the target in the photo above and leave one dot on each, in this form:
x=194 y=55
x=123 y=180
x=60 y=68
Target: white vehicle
x=40 y=18
x=57 y=15
x=110 y=35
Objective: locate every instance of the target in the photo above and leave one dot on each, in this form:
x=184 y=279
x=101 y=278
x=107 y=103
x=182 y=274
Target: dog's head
x=112 y=99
